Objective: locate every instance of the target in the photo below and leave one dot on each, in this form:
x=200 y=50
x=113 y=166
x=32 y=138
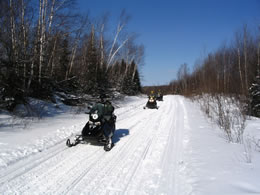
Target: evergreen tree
x=126 y=84
x=131 y=83
x=92 y=65
x=137 y=83
x=121 y=75
x=254 y=92
x=64 y=59
x=102 y=81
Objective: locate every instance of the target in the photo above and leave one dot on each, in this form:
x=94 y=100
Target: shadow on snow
x=119 y=133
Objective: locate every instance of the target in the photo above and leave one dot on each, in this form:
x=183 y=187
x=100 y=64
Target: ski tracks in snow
x=148 y=159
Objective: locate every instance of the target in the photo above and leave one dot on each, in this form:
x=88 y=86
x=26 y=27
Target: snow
x=172 y=150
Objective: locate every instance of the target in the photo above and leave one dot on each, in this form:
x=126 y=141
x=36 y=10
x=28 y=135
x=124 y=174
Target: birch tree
x=124 y=18
x=43 y=8
x=101 y=28
x=245 y=56
x=13 y=33
x=79 y=31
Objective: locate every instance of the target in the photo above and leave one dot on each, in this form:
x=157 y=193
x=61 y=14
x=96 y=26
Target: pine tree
x=254 y=93
x=64 y=59
x=121 y=75
x=137 y=83
x=92 y=65
x=131 y=83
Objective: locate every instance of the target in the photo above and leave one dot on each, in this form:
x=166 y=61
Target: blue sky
x=174 y=32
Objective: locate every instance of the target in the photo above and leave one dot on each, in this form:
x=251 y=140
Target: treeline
x=45 y=46
x=231 y=70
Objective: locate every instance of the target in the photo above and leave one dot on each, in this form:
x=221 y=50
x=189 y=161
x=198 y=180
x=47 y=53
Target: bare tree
x=75 y=46
x=245 y=56
x=101 y=28
x=240 y=70
x=13 y=31
x=124 y=18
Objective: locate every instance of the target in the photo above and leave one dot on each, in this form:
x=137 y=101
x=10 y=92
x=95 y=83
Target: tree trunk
x=113 y=55
x=42 y=37
x=258 y=60
x=74 y=49
x=13 y=29
x=50 y=63
x=240 y=71
x=101 y=47
x=119 y=28
x=37 y=40
x=24 y=43
x=51 y=16
x=245 y=56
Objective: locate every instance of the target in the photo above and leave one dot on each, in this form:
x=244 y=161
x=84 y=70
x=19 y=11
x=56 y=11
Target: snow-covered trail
x=146 y=159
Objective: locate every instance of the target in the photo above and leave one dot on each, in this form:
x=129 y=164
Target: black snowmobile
x=98 y=130
x=160 y=97
x=151 y=103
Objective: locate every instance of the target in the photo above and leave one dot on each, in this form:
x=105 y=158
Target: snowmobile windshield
x=103 y=110
x=98 y=108
x=96 y=111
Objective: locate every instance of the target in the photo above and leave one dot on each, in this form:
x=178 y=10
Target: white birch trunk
x=224 y=73
x=101 y=47
x=42 y=38
x=51 y=16
x=258 y=60
x=240 y=71
x=13 y=29
x=50 y=63
x=74 y=49
x=245 y=56
x=24 y=43
x=113 y=55
x=119 y=28
x=35 y=46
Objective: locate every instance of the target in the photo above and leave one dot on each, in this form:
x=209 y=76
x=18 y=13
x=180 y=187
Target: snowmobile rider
x=159 y=93
x=152 y=95
x=106 y=110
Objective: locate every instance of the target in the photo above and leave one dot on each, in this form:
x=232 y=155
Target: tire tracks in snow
x=144 y=162
x=149 y=173
x=173 y=181
x=16 y=171
x=32 y=162
x=122 y=171
x=99 y=181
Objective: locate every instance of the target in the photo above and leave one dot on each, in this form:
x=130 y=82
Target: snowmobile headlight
x=98 y=123
x=151 y=100
x=95 y=116
x=90 y=122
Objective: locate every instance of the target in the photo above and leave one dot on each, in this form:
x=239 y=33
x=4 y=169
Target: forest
x=47 y=47
x=232 y=70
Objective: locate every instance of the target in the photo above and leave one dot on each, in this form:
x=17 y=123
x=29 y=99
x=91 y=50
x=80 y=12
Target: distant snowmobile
x=159 y=97
x=99 y=129
x=151 y=103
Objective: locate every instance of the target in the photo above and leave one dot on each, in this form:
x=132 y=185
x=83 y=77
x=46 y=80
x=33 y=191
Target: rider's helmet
x=103 y=98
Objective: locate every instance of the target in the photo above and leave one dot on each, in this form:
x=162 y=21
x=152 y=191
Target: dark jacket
x=105 y=109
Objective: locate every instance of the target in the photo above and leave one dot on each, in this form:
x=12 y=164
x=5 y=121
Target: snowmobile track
x=16 y=171
x=137 y=164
